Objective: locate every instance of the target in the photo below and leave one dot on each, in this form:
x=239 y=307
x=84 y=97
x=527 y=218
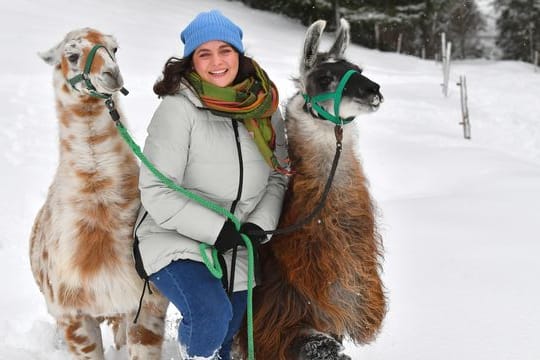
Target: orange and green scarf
x=252 y=102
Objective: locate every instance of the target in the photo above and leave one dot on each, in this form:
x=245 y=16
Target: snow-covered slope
x=460 y=219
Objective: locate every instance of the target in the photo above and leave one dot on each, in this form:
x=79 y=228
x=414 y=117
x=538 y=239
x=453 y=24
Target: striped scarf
x=252 y=102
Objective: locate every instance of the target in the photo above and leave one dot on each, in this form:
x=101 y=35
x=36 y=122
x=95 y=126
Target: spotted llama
x=81 y=241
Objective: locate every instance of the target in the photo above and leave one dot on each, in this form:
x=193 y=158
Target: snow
x=460 y=218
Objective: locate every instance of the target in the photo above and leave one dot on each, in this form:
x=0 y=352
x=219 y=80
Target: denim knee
x=202 y=301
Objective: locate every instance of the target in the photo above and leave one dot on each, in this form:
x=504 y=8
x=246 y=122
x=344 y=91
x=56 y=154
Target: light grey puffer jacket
x=198 y=151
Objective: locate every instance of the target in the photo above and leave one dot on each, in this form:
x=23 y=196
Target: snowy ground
x=460 y=218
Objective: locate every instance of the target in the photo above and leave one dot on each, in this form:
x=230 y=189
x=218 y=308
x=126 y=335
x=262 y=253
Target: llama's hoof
x=321 y=347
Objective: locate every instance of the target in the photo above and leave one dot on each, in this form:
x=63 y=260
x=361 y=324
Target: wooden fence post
x=443 y=46
x=399 y=40
x=536 y=56
x=446 y=52
x=464 y=107
x=377 y=35
x=531 y=40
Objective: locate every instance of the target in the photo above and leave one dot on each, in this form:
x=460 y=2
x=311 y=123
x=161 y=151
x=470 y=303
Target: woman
x=216 y=133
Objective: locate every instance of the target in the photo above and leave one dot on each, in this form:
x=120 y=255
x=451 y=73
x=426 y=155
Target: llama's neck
x=312 y=143
x=84 y=123
x=89 y=140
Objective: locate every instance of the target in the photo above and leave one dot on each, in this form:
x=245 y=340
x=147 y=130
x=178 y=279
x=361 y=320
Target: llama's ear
x=311 y=44
x=342 y=39
x=52 y=56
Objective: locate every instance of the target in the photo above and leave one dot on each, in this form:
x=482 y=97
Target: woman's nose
x=216 y=59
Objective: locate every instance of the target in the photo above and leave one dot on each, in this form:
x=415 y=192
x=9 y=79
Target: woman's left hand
x=254 y=232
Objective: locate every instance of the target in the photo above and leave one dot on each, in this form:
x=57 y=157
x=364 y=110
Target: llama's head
x=85 y=63
x=326 y=78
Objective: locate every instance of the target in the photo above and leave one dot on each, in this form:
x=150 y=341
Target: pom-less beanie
x=208 y=26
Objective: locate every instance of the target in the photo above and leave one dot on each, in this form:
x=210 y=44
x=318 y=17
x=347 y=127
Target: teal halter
x=336 y=96
x=84 y=76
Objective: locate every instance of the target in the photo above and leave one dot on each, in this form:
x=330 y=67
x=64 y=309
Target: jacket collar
x=189 y=93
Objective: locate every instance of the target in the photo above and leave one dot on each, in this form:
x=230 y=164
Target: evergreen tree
x=466 y=22
x=519 y=28
x=379 y=24
x=434 y=21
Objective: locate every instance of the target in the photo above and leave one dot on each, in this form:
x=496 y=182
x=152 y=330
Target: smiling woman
x=218 y=134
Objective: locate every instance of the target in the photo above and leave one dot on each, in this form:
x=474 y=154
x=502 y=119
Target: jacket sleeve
x=267 y=212
x=167 y=146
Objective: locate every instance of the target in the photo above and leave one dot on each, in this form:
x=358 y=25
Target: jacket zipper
x=240 y=164
x=230 y=288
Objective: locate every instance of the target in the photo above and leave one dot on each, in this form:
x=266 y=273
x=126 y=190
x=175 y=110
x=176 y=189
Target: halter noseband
x=336 y=96
x=84 y=76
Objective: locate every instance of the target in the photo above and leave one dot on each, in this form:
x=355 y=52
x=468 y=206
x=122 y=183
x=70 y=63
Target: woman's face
x=216 y=62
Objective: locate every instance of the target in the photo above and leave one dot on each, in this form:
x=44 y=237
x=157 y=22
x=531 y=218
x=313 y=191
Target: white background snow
x=460 y=218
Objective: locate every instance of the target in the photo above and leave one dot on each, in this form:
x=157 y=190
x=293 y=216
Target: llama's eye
x=114 y=50
x=73 y=58
x=325 y=80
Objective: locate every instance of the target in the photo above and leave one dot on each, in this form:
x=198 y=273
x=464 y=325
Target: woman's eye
x=73 y=58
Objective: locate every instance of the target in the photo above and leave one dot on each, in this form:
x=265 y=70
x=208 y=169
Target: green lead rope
x=212 y=265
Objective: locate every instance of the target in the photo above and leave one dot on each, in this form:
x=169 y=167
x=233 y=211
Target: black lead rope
x=338 y=130
x=313 y=102
x=146 y=285
x=112 y=109
x=140 y=268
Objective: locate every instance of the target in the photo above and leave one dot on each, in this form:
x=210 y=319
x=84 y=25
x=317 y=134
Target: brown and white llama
x=81 y=242
x=321 y=283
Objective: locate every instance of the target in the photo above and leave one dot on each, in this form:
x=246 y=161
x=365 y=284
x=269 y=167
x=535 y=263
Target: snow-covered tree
x=380 y=23
x=464 y=24
x=433 y=22
x=519 y=28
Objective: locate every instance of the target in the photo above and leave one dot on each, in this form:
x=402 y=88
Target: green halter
x=84 y=76
x=336 y=96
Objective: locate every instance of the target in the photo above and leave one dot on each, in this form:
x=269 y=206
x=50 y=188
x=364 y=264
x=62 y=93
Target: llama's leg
x=319 y=346
x=146 y=336
x=83 y=336
x=36 y=244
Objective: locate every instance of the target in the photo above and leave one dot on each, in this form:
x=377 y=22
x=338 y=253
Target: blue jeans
x=209 y=318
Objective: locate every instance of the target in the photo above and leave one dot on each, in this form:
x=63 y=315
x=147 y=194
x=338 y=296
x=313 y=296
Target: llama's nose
x=367 y=87
x=112 y=71
x=372 y=90
x=112 y=79
x=376 y=99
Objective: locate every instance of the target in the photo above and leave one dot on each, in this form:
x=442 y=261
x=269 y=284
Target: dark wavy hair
x=175 y=70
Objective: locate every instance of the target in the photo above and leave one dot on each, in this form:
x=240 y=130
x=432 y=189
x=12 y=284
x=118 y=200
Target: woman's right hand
x=228 y=238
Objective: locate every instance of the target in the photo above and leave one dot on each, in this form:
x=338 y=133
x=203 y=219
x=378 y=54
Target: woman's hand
x=228 y=238
x=255 y=233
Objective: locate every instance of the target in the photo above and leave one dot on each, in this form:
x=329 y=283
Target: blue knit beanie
x=208 y=26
